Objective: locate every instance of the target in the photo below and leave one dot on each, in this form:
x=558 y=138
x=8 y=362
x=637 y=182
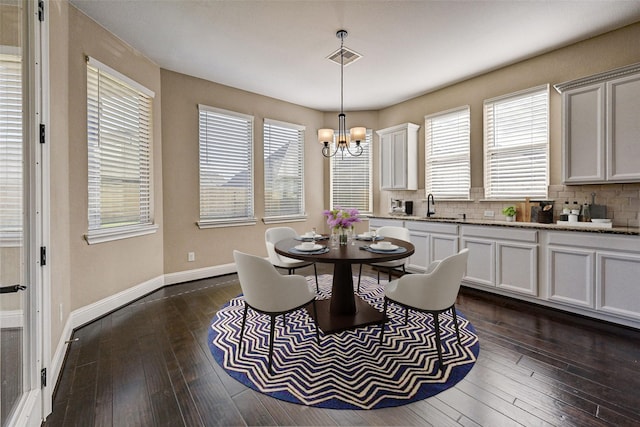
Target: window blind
x=516 y=145
x=351 y=179
x=283 y=169
x=10 y=147
x=447 y=159
x=119 y=139
x=226 y=165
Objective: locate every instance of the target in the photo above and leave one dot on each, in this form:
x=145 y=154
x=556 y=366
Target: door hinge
x=43 y=256
x=42 y=133
x=43 y=377
x=41 y=10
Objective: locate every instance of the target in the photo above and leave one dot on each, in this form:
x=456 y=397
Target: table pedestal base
x=365 y=314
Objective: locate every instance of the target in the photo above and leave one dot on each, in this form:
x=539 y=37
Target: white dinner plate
x=378 y=247
x=314 y=248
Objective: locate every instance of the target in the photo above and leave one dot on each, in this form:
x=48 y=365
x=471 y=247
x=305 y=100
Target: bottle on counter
x=575 y=209
x=566 y=210
x=585 y=214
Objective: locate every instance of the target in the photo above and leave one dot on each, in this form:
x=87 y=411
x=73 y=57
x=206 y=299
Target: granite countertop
x=630 y=231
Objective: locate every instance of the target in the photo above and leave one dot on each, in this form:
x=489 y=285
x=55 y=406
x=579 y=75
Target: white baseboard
x=199 y=273
x=98 y=309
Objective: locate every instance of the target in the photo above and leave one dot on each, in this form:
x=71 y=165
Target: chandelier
x=343 y=138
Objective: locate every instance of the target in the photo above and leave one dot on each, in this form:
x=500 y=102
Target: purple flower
x=341 y=218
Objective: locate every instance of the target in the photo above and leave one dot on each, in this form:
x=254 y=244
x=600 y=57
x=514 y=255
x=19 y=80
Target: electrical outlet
x=191 y=256
x=489 y=214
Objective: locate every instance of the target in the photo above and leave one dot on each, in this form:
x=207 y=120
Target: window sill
x=219 y=223
x=118 y=233
x=282 y=219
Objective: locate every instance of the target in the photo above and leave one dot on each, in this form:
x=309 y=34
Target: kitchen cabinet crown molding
x=598 y=78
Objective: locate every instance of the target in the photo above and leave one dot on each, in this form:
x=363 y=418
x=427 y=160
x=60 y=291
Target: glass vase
x=343 y=236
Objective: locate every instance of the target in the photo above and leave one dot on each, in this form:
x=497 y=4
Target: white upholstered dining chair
x=396 y=233
x=434 y=292
x=274 y=235
x=268 y=292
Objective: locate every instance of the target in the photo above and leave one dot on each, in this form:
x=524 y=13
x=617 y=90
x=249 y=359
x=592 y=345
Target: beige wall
x=611 y=50
x=181 y=95
x=83 y=274
x=100 y=270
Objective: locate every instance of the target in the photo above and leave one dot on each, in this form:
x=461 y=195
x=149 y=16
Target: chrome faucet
x=430 y=202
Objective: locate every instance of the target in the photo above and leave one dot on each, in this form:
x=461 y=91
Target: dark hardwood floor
x=148 y=364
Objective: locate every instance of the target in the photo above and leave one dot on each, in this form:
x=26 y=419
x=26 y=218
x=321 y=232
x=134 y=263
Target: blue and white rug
x=348 y=370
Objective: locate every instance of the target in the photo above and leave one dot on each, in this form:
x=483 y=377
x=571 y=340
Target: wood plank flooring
x=148 y=364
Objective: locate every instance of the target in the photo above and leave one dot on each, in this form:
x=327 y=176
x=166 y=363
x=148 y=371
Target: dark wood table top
x=349 y=254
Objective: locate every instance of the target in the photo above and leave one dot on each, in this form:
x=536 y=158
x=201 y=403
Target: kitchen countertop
x=629 y=231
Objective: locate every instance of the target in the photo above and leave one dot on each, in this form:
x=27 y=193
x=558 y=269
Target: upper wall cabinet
x=399 y=157
x=600 y=127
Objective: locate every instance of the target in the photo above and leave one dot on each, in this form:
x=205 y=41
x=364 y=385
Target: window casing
x=351 y=179
x=516 y=145
x=226 y=168
x=447 y=154
x=283 y=171
x=11 y=150
x=119 y=123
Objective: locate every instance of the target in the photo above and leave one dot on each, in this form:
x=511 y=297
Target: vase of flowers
x=341 y=221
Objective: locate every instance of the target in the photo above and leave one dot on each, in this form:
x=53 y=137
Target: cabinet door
x=386 y=162
x=481 y=261
x=617 y=283
x=517 y=267
x=570 y=275
x=399 y=173
x=442 y=246
x=419 y=261
x=623 y=129
x=583 y=139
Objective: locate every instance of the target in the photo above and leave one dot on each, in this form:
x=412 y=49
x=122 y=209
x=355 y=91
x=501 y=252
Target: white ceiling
x=279 y=48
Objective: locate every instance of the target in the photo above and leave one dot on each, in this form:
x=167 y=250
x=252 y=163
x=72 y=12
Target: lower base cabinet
x=588 y=273
x=502 y=258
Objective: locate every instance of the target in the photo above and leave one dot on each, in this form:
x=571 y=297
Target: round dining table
x=344 y=309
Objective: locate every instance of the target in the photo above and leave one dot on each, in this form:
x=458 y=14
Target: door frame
x=36 y=403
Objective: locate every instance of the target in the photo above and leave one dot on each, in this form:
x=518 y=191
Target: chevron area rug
x=348 y=370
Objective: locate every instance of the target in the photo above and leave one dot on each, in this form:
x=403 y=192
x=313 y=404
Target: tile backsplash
x=622 y=201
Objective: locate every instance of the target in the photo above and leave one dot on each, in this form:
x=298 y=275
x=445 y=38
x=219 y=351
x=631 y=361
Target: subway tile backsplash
x=622 y=201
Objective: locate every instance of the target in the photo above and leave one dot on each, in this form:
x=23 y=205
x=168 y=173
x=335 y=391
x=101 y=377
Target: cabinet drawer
x=432 y=227
x=501 y=233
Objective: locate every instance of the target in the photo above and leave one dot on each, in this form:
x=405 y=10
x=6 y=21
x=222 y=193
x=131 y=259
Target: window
x=447 y=161
x=283 y=171
x=119 y=142
x=351 y=183
x=516 y=142
x=10 y=149
x=226 y=168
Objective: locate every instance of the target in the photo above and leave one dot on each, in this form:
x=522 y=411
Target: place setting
x=369 y=236
x=311 y=236
x=309 y=248
x=384 y=247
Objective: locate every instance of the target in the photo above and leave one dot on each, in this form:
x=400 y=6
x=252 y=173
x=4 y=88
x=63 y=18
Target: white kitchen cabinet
x=600 y=127
x=617 y=283
x=598 y=272
x=570 y=275
x=503 y=258
x=432 y=241
x=399 y=157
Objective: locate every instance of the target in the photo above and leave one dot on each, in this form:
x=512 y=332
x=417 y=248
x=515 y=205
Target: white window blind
x=10 y=147
x=447 y=160
x=516 y=145
x=226 y=167
x=351 y=179
x=283 y=169
x=119 y=119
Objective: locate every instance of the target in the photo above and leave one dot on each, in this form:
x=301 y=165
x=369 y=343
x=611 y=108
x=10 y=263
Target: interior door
x=20 y=360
